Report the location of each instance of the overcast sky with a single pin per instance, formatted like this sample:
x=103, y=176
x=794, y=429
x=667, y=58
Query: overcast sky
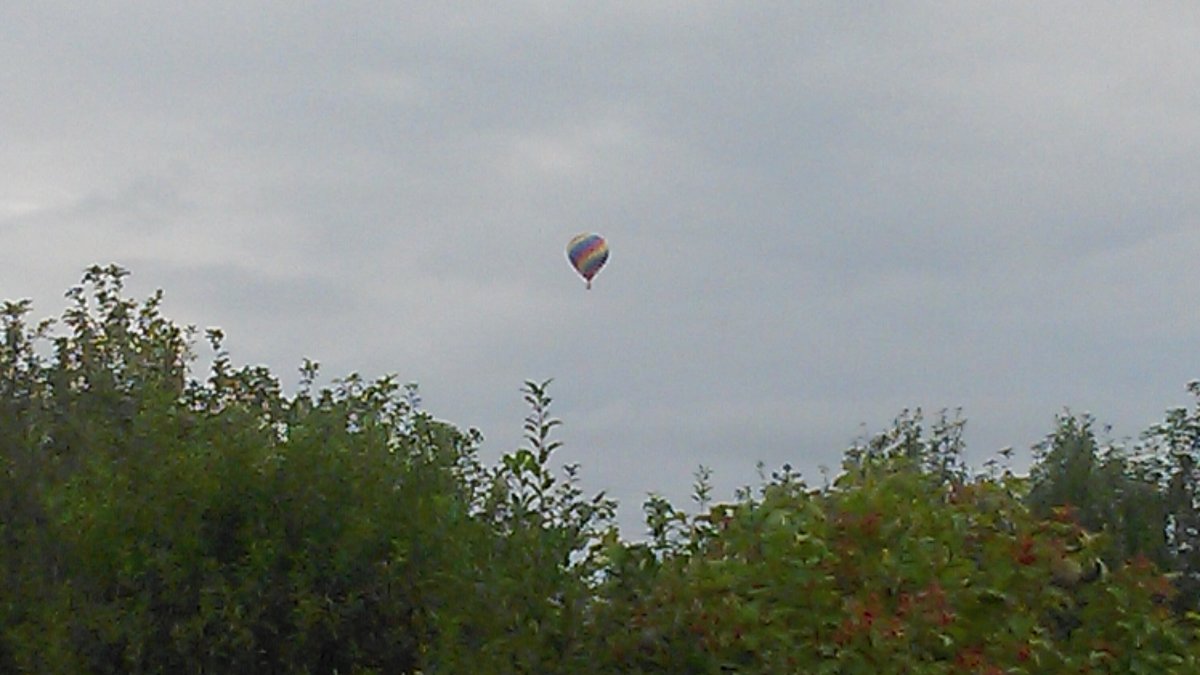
x=819, y=213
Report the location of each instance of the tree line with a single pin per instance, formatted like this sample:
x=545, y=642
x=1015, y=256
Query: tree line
x=154, y=521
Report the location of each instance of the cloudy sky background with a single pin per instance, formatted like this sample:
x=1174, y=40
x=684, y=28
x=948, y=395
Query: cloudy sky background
x=820, y=213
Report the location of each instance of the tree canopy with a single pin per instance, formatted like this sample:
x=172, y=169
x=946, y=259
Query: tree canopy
x=154, y=521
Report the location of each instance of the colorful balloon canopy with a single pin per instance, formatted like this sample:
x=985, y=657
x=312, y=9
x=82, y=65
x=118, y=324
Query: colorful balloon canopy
x=588, y=253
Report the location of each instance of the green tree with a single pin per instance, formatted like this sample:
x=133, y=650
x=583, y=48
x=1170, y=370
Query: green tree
x=1104, y=489
x=892, y=568
x=157, y=523
x=1144, y=501
x=1174, y=446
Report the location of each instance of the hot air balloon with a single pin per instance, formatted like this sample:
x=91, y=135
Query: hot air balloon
x=587, y=253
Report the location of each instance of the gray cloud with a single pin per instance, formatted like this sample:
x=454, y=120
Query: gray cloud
x=819, y=214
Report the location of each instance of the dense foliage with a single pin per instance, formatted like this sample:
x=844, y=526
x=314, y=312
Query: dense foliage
x=152, y=522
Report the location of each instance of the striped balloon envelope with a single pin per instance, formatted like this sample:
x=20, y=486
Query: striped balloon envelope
x=587, y=253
